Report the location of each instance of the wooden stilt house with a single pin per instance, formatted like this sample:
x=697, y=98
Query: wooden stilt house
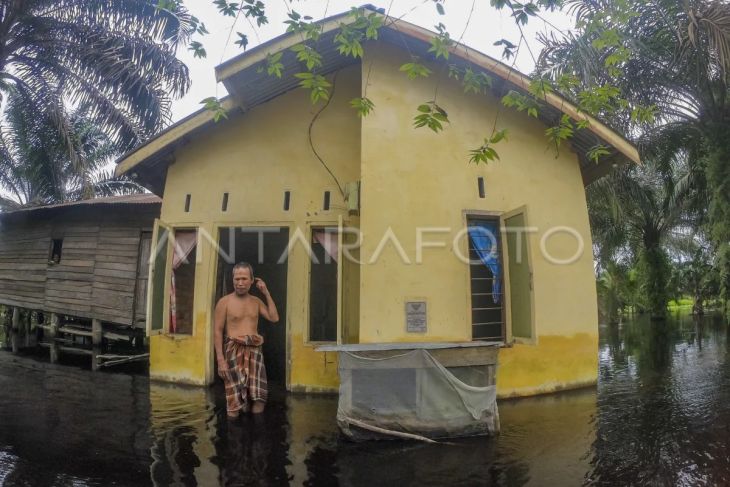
x=77, y=272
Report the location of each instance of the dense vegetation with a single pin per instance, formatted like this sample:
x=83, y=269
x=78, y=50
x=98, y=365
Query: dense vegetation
x=667, y=223
x=111, y=62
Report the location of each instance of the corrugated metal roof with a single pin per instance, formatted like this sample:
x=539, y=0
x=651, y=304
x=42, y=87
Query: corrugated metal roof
x=127, y=199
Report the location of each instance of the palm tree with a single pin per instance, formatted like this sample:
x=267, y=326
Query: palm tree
x=637, y=212
x=35, y=168
x=116, y=57
x=671, y=55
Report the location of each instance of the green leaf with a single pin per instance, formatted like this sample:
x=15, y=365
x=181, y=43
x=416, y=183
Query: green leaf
x=225, y=8
x=415, y=69
x=431, y=116
x=644, y=115
x=476, y=82
x=596, y=152
x=521, y=103
x=498, y=136
x=363, y=106
x=561, y=132
x=306, y=54
x=274, y=66
x=197, y=49
x=242, y=40
x=540, y=87
x=316, y=83
x=509, y=48
x=256, y=10
x=214, y=105
x=348, y=41
x=440, y=45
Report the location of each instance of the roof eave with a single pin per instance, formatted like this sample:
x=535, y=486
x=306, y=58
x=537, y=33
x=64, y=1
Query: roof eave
x=171, y=138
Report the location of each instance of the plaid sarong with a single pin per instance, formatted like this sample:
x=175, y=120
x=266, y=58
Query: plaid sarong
x=246, y=376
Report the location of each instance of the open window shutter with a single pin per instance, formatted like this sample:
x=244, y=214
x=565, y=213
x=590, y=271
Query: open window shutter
x=340, y=308
x=158, y=286
x=520, y=274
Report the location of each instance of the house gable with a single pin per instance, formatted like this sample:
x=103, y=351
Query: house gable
x=250, y=86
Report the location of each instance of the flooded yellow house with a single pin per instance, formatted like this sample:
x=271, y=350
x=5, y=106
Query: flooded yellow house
x=369, y=231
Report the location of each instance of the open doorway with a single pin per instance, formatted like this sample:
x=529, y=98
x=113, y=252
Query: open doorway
x=262, y=248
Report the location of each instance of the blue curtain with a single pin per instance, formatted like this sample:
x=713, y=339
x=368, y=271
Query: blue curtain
x=482, y=236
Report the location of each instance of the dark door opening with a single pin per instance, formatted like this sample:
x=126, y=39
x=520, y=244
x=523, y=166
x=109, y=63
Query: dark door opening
x=262, y=248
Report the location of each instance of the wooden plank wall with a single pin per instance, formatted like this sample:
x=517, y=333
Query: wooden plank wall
x=97, y=275
x=23, y=262
x=115, y=273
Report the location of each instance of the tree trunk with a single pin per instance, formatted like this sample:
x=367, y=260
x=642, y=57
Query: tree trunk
x=656, y=276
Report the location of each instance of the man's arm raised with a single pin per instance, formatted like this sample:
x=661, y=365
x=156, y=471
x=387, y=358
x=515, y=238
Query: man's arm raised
x=267, y=310
x=219, y=325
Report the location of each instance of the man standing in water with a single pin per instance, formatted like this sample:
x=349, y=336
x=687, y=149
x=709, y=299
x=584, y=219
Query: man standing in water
x=240, y=360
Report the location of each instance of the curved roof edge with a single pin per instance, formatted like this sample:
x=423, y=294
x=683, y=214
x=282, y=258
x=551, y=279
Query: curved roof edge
x=163, y=143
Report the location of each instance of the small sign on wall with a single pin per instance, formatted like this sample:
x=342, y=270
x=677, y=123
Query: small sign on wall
x=416, y=317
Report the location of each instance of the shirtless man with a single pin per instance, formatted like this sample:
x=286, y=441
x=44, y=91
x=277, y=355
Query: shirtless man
x=240, y=361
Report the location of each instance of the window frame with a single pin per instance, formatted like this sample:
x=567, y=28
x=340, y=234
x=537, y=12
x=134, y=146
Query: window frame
x=470, y=215
x=159, y=225
x=170, y=230
x=533, y=339
x=51, y=247
x=338, y=226
x=174, y=229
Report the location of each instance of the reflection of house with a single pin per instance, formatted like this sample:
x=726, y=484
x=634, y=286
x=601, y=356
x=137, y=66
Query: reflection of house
x=80, y=262
x=252, y=186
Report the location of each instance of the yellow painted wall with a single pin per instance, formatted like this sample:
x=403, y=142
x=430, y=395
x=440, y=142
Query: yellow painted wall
x=255, y=157
x=410, y=178
x=414, y=177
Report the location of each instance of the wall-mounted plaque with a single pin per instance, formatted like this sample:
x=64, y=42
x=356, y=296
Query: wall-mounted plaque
x=416, y=316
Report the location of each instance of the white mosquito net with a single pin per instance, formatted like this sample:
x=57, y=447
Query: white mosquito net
x=413, y=393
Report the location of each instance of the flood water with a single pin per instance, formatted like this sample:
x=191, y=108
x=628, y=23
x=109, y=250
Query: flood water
x=659, y=416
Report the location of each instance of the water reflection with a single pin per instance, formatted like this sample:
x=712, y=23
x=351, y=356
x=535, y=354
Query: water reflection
x=183, y=427
x=664, y=404
x=659, y=416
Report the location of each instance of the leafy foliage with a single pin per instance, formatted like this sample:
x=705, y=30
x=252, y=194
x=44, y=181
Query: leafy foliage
x=486, y=152
x=560, y=132
x=597, y=151
x=476, y=82
x=415, y=69
x=117, y=58
x=636, y=214
x=242, y=40
x=306, y=54
x=197, y=49
x=35, y=167
x=274, y=66
x=213, y=104
x=522, y=103
x=362, y=105
x=441, y=43
x=664, y=65
x=350, y=37
x=303, y=25
x=317, y=84
x=510, y=50
x=432, y=116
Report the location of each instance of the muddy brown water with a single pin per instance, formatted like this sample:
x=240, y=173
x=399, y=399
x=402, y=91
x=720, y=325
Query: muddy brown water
x=660, y=415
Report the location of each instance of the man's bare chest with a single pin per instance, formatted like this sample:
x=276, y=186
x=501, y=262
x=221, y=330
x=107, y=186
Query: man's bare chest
x=245, y=312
